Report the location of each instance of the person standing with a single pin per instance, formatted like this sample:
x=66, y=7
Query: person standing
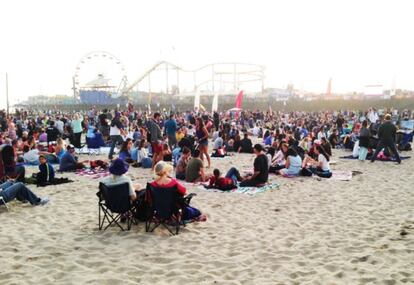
x=386, y=138
x=156, y=139
x=171, y=130
x=115, y=133
x=76, y=125
x=202, y=138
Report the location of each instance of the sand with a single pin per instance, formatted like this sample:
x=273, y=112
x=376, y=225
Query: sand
x=307, y=232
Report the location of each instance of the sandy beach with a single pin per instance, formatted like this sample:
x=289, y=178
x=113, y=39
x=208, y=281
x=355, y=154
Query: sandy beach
x=307, y=232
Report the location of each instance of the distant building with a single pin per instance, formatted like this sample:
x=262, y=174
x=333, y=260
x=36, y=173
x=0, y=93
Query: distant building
x=279, y=94
x=375, y=92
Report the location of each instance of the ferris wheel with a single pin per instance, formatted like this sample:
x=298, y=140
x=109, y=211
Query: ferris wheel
x=100, y=70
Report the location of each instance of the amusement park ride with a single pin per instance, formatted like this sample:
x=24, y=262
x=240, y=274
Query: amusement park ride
x=100, y=76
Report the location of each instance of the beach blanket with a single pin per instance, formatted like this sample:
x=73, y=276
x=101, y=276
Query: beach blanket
x=95, y=151
x=93, y=173
x=341, y=175
x=380, y=159
x=245, y=190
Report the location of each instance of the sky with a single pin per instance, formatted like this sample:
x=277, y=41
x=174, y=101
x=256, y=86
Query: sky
x=356, y=43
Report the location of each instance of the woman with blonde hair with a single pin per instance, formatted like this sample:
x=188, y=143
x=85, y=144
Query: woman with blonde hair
x=77, y=129
x=164, y=181
x=60, y=148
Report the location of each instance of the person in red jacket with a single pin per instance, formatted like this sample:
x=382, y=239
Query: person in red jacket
x=219, y=182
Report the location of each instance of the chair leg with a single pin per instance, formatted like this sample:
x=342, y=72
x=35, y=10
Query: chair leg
x=99, y=217
x=2, y=202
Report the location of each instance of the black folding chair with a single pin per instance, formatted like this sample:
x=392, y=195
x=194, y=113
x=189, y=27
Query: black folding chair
x=164, y=209
x=114, y=203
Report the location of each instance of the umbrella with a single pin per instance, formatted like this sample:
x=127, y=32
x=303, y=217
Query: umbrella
x=235, y=109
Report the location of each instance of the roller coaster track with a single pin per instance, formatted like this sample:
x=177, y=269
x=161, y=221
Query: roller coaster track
x=257, y=72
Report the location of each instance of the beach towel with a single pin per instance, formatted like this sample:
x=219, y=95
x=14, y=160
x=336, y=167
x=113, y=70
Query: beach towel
x=245, y=190
x=341, y=175
x=379, y=158
x=93, y=173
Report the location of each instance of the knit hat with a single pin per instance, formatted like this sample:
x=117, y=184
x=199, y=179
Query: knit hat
x=118, y=167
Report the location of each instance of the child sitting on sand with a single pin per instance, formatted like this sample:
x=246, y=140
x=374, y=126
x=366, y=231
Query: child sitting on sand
x=47, y=172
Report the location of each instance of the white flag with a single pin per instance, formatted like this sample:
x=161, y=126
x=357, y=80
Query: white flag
x=214, y=107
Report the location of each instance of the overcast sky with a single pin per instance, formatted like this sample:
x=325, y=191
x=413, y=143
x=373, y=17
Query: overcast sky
x=301, y=42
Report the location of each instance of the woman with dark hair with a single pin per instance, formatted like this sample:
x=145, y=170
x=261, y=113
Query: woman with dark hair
x=279, y=159
x=270, y=154
x=236, y=143
x=142, y=154
x=326, y=145
x=202, y=137
x=267, y=138
x=364, y=136
x=293, y=163
x=125, y=152
x=320, y=166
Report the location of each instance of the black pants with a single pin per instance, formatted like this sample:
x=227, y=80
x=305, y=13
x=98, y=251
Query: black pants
x=77, y=139
x=274, y=169
x=381, y=145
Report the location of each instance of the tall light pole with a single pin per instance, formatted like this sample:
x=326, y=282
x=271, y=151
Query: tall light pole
x=7, y=93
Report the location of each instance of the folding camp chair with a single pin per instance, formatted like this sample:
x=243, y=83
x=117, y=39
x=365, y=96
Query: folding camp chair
x=164, y=209
x=114, y=203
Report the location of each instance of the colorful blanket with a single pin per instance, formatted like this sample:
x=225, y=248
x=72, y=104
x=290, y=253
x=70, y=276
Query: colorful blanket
x=93, y=173
x=245, y=190
x=380, y=159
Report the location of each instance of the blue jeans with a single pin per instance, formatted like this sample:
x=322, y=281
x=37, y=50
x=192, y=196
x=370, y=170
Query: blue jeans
x=18, y=191
x=114, y=140
x=234, y=174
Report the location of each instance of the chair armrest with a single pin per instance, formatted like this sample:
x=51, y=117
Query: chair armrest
x=187, y=199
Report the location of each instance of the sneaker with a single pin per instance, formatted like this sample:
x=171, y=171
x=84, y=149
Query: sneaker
x=43, y=201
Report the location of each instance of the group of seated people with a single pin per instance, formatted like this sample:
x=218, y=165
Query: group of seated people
x=292, y=159
x=162, y=181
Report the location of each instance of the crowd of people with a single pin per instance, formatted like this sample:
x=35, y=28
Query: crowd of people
x=284, y=143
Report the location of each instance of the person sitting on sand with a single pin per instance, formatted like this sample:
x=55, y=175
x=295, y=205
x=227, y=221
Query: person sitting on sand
x=293, y=164
x=261, y=170
x=167, y=153
x=11, y=190
x=195, y=169
x=118, y=170
x=60, y=148
x=31, y=156
x=125, y=152
x=69, y=161
x=182, y=164
x=320, y=166
x=47, y=172
x=326, y=145
x=143, y=158
x=279, y=159
x=246, y=145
